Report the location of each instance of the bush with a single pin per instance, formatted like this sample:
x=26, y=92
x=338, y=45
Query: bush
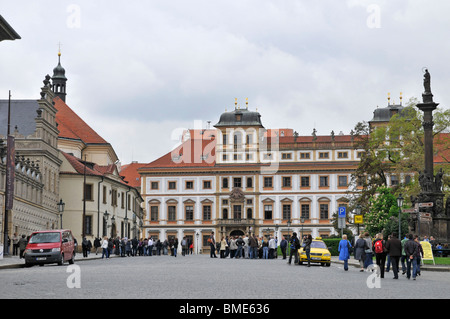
x=332, y=244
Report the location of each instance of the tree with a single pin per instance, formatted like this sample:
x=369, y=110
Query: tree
x=397, y=150
x=383, y=210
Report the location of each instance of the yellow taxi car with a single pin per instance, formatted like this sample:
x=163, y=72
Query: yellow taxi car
x=319, y=253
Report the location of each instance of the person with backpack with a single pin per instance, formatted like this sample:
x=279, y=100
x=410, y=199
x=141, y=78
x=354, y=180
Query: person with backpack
x=379, y=247
x=294, y=246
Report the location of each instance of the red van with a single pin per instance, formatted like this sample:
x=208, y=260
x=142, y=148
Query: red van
x=50, y=246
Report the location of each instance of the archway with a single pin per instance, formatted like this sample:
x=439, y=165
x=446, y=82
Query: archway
x=237, y=232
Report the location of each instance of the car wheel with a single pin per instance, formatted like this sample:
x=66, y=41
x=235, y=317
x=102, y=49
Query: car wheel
x=61, y=260
x=72, y=260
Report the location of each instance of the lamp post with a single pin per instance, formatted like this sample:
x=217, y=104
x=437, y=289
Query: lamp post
x=105, y=223
x=400, y=205
x=196, y=246
x=358, y=212
x=113, y=222
x=125, y=221
x=289, y=234
x=302, y=220
x=61, y=205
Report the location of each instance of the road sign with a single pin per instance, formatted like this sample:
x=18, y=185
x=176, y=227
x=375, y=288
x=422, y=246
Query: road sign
x=409, y=210
x=359, y=219
x=430, y=204
x=342, y=211
x=341, y=223
x=425, y=217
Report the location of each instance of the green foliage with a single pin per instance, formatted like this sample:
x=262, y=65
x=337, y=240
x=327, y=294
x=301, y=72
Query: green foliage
x=332, y=244
x=381, y=208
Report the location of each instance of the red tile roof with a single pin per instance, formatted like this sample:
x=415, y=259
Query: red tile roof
x=130, y=174
x=71, y=126
x=190, y=154
x=92, y=169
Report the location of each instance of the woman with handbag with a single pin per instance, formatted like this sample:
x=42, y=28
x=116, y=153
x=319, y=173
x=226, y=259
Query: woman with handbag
x=360, y=250
x=344, y=250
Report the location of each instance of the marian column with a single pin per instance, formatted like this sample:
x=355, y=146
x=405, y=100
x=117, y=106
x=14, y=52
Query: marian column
x=431, y=197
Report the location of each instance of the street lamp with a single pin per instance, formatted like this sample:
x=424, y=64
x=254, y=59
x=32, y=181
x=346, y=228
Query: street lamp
x=61, y=205
x=196, y=246
x=302, y=220
x=125, y=221
x=289, y=234
x=400, y=205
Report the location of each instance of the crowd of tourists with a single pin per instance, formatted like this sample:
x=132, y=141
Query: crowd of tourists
x=126, y=247
x=248, y=246
x=400, y=255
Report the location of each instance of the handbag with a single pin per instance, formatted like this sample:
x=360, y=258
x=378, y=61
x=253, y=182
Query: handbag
x=350, y=248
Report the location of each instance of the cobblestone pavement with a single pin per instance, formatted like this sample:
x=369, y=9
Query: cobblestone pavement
x=200, y=277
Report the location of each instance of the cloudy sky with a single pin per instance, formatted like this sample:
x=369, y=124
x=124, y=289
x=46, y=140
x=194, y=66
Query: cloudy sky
x=139, y=71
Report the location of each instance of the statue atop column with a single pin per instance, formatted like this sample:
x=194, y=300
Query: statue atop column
x=427, y=95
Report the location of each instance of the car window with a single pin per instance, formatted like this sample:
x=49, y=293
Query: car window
x=318, y=244
x=40, y=238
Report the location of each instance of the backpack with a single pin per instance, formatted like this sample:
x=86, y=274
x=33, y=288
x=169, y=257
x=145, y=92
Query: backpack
x=379, y=247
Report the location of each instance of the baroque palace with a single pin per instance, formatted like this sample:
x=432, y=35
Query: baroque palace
x=240, y=178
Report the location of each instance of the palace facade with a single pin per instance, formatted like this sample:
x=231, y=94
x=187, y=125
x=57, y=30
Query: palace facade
x=240, y=177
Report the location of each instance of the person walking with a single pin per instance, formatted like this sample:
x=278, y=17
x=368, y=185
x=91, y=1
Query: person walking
x=307, y=248
x=403, y=258
x=246, y=247
x=344, y=251
x=183, y=246
x=15, y=241
x=379, y=247
x=253, y=246
x=265, y=247
x=411, y=250
x=240, y=244
x=368, y=252
x=394, y=250
x=97, y=245
x=104, y=246
x=294, y=245
x=233, y=247
x=223, y=247
x=22, y=246
x=175, y=247
x=85, y=247
x=283, y=246
x=272, y=247
x=212, y=246
x=419, y=255
x=360, y=251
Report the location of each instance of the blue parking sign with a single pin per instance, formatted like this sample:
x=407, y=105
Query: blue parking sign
x=342, y=212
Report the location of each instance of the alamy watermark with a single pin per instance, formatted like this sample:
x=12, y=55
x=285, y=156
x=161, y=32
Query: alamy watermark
x=231, y=145
x=74, y=18
x=74, y=279
x=374, y=279
x=374, y=19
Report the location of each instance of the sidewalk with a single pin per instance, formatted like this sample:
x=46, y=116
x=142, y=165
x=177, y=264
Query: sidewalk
x=354, y=263
x=15, y=262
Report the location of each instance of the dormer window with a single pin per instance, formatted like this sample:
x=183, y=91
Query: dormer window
x=238, y=117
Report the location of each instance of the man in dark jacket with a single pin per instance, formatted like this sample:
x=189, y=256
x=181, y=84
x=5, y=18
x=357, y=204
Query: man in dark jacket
x=394, y=249
x=294, y=246
x=411, y=250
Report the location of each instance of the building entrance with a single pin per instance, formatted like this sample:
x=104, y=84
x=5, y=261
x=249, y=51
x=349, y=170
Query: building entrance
x=237, y=232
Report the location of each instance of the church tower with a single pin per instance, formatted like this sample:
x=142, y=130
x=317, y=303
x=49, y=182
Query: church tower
x=59, y=80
